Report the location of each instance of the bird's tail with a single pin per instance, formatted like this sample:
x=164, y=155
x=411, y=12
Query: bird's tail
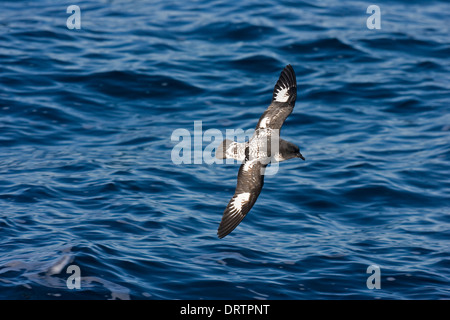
x=221, y=151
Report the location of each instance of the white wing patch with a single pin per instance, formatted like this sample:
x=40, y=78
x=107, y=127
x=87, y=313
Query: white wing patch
x=282, y=95
x=240, y=200
x=264, y=122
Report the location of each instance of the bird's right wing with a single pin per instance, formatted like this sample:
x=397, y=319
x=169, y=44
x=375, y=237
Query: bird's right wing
x=283, y=101
x=249, y=184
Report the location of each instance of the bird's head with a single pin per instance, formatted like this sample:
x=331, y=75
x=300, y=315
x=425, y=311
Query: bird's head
x=290, y=150
x=297, y=153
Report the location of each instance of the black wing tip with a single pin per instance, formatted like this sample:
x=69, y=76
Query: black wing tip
x=288, y=75
x=222, y=234
x=229, y=222
x=227, y=225
x=289, y=68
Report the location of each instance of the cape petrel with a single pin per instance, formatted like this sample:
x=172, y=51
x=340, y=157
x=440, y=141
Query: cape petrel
x=258, y=152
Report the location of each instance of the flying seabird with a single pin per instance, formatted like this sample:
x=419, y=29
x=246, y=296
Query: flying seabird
x=257, y=153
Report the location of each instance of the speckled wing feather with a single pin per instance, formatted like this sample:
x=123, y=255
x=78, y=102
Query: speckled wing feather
x=249, y=184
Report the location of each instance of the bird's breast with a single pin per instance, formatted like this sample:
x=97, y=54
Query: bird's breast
x=263, y=144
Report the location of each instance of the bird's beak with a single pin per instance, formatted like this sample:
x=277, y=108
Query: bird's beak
x=299, y=155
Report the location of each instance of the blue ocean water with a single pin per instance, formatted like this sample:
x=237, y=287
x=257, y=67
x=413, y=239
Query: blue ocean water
x=87, y=178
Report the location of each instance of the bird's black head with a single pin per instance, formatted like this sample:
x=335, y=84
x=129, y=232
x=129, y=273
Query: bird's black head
x=297, y=153
x=290, y=151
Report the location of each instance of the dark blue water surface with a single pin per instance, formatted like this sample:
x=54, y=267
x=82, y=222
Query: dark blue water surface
x=87, y=178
